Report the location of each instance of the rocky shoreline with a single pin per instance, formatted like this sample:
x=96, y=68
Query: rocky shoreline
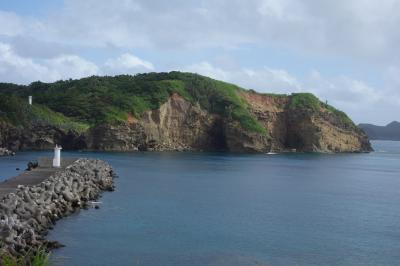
x=6, y=152
x=28, y=214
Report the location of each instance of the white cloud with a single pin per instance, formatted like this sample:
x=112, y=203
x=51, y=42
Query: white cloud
x=282, y=10
x=362, y=102
x=20, y=69
x=264, y=79
x=367, y=30
x=10, y=24
x=70, y=66
x=127, y=64
x=207, y=69
x=341, y=89
x=392, y=84
x=14, y=68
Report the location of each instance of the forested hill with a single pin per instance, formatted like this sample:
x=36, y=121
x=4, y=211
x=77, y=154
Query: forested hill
x=389, y=132
x=95, y=100
x=219, y=110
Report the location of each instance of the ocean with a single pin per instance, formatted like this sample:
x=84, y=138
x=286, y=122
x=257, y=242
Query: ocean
x=236, y=209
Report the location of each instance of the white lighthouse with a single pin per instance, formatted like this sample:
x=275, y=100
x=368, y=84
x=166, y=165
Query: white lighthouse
x=30, y=100
x=57, y=156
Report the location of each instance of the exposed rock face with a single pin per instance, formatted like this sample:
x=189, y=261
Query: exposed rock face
x=239, y=140
x=176, y=125
x=271, y=113
x=26, y=216
x=322, y=132
x=181, y=125
x=121, y=137
x=305, y=130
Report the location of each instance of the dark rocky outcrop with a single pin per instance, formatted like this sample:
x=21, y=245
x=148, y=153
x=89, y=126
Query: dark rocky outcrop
x=38, y=137
x=27, y=215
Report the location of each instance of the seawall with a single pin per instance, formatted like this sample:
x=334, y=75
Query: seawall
x=32, y=202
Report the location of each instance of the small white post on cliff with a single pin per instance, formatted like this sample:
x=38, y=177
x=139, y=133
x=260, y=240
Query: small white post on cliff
x=57, y=156
x=30, y=100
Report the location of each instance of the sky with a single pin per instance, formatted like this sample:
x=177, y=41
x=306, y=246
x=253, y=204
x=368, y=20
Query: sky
x=343, y=51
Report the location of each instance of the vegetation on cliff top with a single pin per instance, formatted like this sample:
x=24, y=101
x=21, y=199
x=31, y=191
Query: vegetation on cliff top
x=95, y=100
x=304, y=101
x=78, y=104
x=310, y=102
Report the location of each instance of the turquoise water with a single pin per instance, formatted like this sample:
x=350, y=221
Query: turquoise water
x=224, y=209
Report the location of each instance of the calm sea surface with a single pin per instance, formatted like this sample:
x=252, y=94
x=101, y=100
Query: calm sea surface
x=224, y=209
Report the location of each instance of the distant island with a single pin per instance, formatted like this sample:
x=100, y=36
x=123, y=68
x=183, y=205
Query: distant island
x=170, y=111
x=389, y=132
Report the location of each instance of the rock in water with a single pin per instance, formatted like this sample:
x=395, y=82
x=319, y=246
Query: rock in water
x=6, y=152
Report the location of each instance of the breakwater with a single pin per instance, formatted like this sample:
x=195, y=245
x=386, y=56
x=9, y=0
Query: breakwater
x=31, y=203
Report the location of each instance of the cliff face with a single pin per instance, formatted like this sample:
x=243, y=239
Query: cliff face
x=170, y=111
x=322, y=132
x=176, y=125
x=305, y=130
x=180, y=125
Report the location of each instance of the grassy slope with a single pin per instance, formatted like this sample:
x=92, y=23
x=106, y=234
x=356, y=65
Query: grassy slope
x=311, y=102
x=79, y=104
x=16, y=111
